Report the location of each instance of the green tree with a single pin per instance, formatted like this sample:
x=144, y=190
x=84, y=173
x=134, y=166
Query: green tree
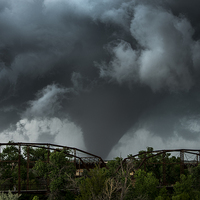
x=35, y=154
x=56, y=173
x=145, y=184
x=9, y=167
x=184, y=189
x=92, y=186
x=112, y=166
x=196, y=177
x=153, y=162
x=163, y=194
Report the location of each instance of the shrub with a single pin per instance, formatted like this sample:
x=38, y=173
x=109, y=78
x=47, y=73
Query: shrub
x=9, y=196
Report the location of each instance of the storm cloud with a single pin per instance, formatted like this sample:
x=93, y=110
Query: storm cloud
x=100, y=75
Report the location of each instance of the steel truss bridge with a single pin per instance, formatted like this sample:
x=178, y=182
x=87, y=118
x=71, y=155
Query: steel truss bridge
x=85, y=160
x=187, y=158
x=81, y=159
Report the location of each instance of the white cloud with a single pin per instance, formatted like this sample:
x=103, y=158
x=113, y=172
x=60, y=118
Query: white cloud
x=47, y=102
x=52, y=130
x=39, y=122
x=124, y=66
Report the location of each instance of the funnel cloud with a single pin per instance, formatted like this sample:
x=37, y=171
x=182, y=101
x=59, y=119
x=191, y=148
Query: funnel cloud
x=110, y=77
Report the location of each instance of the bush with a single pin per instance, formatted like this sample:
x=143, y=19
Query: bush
x=9, y=196
x=146, y=184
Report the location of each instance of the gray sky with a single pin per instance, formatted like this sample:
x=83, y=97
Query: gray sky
x=110, y=77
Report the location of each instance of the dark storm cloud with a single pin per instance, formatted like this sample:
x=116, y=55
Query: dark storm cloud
x=102, y=65
x=3, y=5
x=166, y=56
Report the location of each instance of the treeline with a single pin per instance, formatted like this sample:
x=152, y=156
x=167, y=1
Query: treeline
x=124, y=181
x=55, y=171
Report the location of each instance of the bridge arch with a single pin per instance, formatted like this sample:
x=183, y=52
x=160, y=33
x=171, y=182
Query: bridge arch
x=144, y=159
x=81, y=159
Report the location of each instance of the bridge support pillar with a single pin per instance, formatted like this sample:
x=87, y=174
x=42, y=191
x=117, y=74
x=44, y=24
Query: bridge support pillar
x=19, y=171
x=164, y=169
x=182, y=162
x=145, y=155
x=27, y=184
x=48, y=180
x=75, y=157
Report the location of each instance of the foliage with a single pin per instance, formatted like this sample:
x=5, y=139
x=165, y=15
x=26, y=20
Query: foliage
x=154, y=164
x=7, y=169
x=70, y=195
x=35, y=153
x=196, y=177
x=146, y=184
x=56, y=173
x=182, y=196
x=113, y=165
x=35, y=198
x=184, y=190
x=163, y=194
x=116, y=182
x=107, y=183
x=9, y=196
x=92, y=186
x=184, y=185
